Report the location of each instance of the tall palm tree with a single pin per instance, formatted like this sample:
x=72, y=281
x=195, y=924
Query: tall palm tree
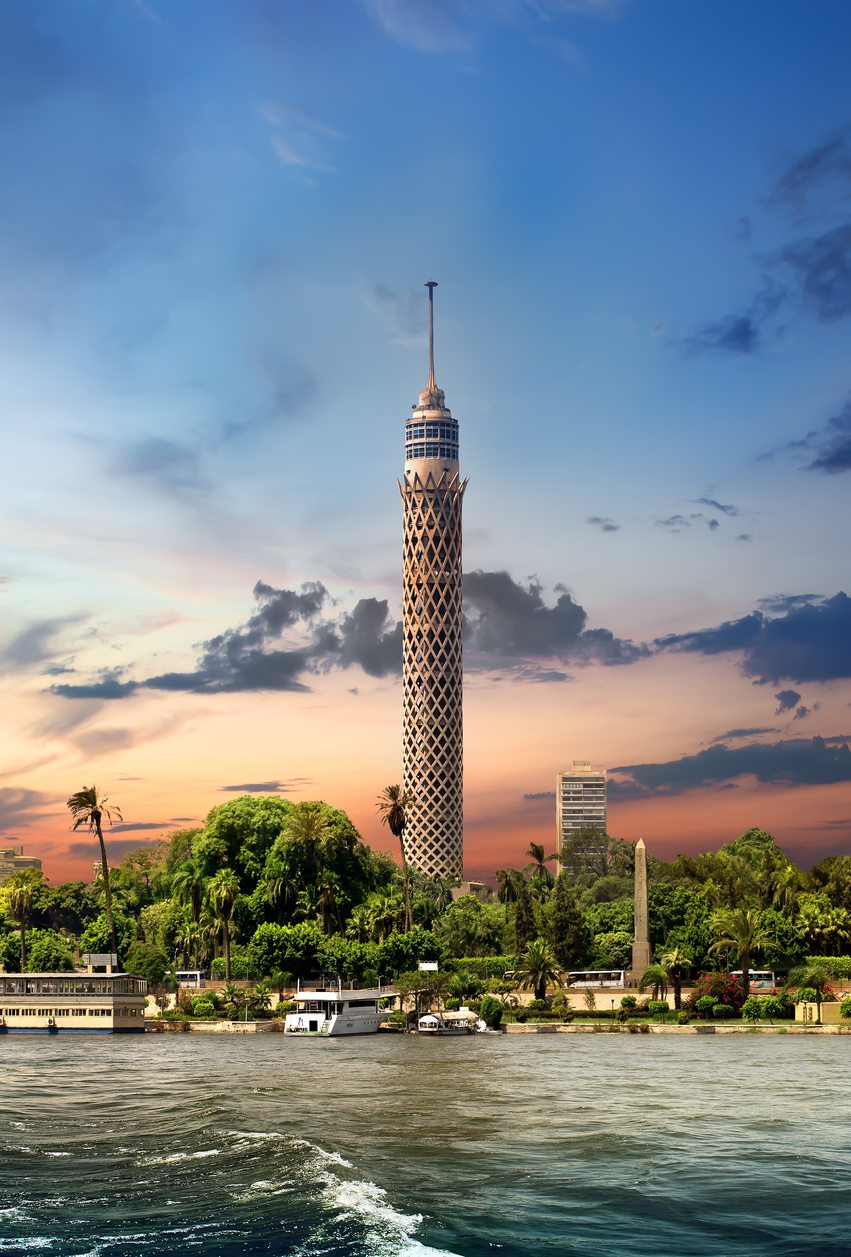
x=539, y=864
x=308, y=825
x=188, y=886
x=279, y=979
x=539, y=967
x=359, y=924
x=188, y=939
x=394, y=803
x=328, y=887
x=20, y=888
x=786, y=883
x=223, y=890
x=814, y=975
x=675, y=962
x=281, y=888
x=739, y=930
x=655, y=976
x=89, y=807
x=386, y=911
x=508, y=885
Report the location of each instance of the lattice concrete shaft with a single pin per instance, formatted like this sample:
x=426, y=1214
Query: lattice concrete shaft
x=432, y=670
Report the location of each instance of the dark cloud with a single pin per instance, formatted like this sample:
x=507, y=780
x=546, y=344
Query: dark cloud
x=20, y=807
x=729, y=509
x=116, y=849
x=126, y=827
x=803, y=712
x=834, y=452
x=742, y=733
x=263, y=787
x=503, y=617
x=828, y=165
x=33, y=644
x=787, y=700
x=731, y=785
x=743, y=536
x=605, y=525
x=109, y=686
x=366, y=638
x=807, y=643
x=543, y=796
x=795, y=762
x=676, y=523
x=787, y=602
x=811, y=273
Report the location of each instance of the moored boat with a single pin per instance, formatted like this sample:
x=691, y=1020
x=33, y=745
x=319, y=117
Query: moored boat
x=439, y=1025
x=336, y=1012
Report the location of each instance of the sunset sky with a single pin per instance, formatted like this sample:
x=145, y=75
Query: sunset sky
x=216, y=220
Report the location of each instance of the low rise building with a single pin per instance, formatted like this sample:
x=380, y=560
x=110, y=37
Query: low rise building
x=72, y=1003
x=12, y=860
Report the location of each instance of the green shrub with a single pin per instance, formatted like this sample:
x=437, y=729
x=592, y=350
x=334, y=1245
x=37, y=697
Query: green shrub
x=723, y=1010
x=838, y=966
x=481, y=966
x=845, y=1008
x=490, y=1012
x=520, y=1015
x=658, y=1007
x=753, y=1009
x=777, y=1006
x=805, y=995
x=683, y=1018
x=537, y=1005
x=202, y=1007
x=644, y=1028
x=705, y=1005
x=628, y=1001
x=451, y=1005
x=283, y=1007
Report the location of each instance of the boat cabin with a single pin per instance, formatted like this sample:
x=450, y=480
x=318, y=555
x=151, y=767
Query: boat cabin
x=335, y=1012
x=72, y=1003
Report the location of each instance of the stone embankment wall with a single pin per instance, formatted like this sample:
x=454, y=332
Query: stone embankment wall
x=602, y=1028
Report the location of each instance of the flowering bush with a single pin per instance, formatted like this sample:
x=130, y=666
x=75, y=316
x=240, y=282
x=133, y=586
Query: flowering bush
x=723, y=986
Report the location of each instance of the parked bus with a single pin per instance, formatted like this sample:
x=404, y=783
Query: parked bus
x=760, y=979
x=597, y=977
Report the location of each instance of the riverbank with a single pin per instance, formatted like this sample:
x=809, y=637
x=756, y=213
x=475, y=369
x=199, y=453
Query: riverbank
x=645, y=1028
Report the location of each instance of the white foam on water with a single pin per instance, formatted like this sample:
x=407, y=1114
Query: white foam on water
x=57, y=1154
x=173, y=1157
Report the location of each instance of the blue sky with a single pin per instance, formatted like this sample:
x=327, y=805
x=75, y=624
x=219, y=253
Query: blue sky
x=215, y=224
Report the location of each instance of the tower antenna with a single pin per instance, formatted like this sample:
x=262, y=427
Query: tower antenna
x=431, y=284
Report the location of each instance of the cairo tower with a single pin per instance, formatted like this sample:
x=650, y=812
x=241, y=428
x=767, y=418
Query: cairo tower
x=432, y=492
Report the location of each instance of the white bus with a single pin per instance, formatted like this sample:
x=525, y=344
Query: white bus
x=597, y=977
x=759, y=979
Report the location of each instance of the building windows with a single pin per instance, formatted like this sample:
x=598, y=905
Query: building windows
x=442, y=431
x=431, y=451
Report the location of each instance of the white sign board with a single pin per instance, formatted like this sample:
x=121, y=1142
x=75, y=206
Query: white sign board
x=427, y=966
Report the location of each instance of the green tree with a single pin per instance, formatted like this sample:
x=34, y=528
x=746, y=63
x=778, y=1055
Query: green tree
x=89, y=807
x=223, y=890
x=20, y=889
x=540, y=873
x=740, y=930
x=98, y=935
x=539, y=968
x=148, y=961
x=525, y=926
x=48, y=952
x=188, y=886
x=395, y=804
x=676, y=962
x=814, y=975
x=655, y=976
x=566, y=926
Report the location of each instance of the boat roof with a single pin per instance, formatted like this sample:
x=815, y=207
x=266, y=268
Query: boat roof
x=70, y=973
x=337, y=994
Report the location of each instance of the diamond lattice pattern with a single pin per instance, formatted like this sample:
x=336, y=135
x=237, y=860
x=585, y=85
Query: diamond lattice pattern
x=432, y=672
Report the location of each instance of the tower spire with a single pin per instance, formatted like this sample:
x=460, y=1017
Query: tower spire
x=431, y=397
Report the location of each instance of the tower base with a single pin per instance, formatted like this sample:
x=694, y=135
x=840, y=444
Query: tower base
x=642, y=958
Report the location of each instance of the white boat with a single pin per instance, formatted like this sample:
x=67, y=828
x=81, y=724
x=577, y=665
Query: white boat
x=336, y=1012
x=465, y=1021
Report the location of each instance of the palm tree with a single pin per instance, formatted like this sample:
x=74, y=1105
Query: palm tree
x=442, y=888
x=89, y=808
x=508, y=885
x=279, y=978
x=232, y=996
x=385, y=912
x=739, y=930
x=394, y=804
x=188, y=938
x=260, y=998
x=816, y=976
x=188, y=887
x=787, y=883
x=657, y=977
x=20, y=888
x=539, y=968
x=328, y=887
x=539, y=863
x=223, y=891
x=308, y=825
x=675, y=962
x=281, y=888
x=359, y=924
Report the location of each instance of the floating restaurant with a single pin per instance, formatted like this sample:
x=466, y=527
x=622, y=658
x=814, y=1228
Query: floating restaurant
x=72, y=1003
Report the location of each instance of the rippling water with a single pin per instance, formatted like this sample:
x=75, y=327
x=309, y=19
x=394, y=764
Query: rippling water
x=387, y=1145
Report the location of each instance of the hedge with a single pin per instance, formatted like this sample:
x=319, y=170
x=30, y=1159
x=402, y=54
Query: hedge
x=839, y=966
x=481, y=966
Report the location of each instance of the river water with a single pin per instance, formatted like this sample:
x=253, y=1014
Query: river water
x=580, y=1144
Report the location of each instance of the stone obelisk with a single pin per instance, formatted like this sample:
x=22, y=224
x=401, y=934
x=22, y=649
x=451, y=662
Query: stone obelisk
x=432, y=493
x=641, y=956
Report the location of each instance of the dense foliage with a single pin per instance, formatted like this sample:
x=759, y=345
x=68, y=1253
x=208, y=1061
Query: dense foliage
x=269, y=886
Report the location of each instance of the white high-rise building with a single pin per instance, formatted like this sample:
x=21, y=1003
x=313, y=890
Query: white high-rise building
x=580, y=799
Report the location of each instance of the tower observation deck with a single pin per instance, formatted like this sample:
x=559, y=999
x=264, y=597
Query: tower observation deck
x=432, y=494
